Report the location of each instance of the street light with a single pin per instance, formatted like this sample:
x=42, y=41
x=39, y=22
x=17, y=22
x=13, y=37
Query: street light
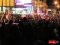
x=58, y=6
x=55, y=2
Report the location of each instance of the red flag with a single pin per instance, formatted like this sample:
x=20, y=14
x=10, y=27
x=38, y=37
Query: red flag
x=46, y=17
x=39, y=17
x=35, y=11
x=7, y=14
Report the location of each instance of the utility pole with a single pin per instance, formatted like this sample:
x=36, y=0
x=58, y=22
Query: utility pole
x=2, y=6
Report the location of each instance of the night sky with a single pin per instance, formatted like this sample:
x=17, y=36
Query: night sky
x=49, y=2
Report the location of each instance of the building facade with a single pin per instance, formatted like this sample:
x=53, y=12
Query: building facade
x=4, y=4
x=11, y=4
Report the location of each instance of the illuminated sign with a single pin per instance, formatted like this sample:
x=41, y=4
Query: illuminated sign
x=22, y=2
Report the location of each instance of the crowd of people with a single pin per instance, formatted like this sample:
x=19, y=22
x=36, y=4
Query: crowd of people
x=29, y=30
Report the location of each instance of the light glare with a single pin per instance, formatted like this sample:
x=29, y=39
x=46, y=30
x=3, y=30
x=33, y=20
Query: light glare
x=27, y=1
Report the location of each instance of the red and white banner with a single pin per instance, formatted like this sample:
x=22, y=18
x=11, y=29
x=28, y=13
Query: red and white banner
x=7, y=14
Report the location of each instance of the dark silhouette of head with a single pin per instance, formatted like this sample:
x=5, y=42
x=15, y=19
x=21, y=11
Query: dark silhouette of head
x=24, y=19
x=3, y=24
x=10, y=22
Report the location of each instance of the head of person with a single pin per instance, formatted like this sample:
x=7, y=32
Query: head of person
x=10, y=22
x=24, y=19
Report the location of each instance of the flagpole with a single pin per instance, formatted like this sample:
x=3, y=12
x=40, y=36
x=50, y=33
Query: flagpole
x=2, y=6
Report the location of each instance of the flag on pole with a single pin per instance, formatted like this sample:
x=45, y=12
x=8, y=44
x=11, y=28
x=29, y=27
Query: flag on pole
x=7, y=14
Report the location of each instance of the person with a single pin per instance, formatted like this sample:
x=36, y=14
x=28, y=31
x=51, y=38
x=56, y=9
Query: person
x=2, y=35
x=26, y=30
x=15, y=37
